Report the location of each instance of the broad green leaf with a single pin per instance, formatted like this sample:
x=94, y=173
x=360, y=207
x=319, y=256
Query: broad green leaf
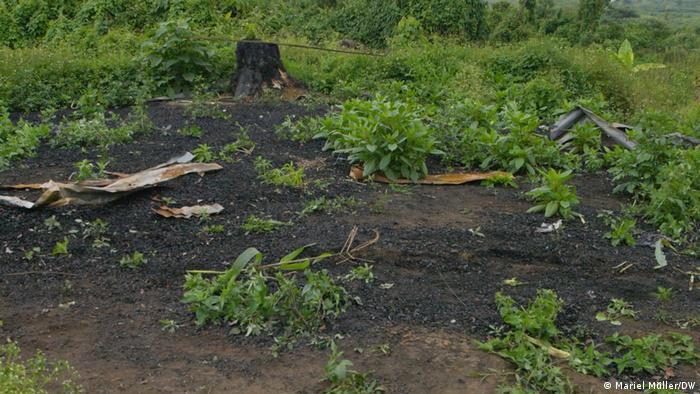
x=552, y=208
x=293, y=255
x=625, y=54
x=245, y=258
x=384, y=163
x=298, y=266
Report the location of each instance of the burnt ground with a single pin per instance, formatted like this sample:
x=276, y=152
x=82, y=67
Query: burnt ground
x=104, y=319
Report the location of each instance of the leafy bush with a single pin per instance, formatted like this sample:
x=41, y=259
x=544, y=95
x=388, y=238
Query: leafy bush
x=34, y=375
x=652, y=353
x=368, y=21
x=383, y=135
x=345, y=381
x=465, y=17
x=554, y=196
x=253, y=302
x=287, y=175
x=19, y=141
x=175, y=57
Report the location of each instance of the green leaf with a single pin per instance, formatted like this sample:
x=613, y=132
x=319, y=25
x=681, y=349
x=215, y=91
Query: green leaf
x=384, y=163
x=293, y=255
x=299, y=266
x=625, y=54
x=245, y=258
x=552, y=208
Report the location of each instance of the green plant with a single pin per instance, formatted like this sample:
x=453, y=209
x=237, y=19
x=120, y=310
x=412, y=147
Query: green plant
x=344, y=381
x=89, y=170
x=205, y=105
x=328, y=205
x=17, y=142
x=60, y=248
x=133, y=261
x=96, y=229
x=302, y=130
x=663, y=294
x=214, y=229
x=384, y=136
x=500, y=179
x=203, y=154
x=554, y=196
x=621, y=230
x=36, y=374
x=243, y=144
x=287, y=175
x=175, y=57
x=256, y=225
x=191, y=130
x=253, y=302
x=169, y=325
x=51, y=223
x=361, y=272
x=617, y=309
x=652, y=353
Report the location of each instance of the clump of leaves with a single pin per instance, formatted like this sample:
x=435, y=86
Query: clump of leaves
x=302, y=130
x=93, y=131
x=203, y=154
x=175, y=57
x=256, y=225
x=243, y=144
x=191, y=130
x=616, y=310
x=663, y=294
x=621, y=230
x=382, y=135
x=18, y=141
x=51, y=223
x=343, y=380
x=204, y=104
x=586, y=144
x=328, y=205
x=500, y=180
x=652, y=353
x=36, y=374
x=554, y=196
x=88, y=170
x=287, y=175
x=133, y=261
x=535, y=370
x=214, y=229
x=361, y=272
x=96, y=229
x=253, y=302
x=60, y=248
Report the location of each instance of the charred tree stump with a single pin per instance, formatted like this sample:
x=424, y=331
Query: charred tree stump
x=260, y=66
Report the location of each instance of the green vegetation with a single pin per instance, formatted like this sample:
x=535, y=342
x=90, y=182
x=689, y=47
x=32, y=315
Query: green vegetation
x=35, y=374
x=343, y=381
x=329, y=205
x=191, y=130
x=256, y=225
x=203, y=153
x=382, y=135
x=621, y=230
x=533, y=341
x=287, y=175
x=361, y=272
x=617, y=309
x=60, y=248
x=133, y=261
x=554, y=196
x=255, y=302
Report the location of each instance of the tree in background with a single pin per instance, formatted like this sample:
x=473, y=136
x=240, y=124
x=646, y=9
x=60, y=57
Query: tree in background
x=589, y=13
x=528, y=7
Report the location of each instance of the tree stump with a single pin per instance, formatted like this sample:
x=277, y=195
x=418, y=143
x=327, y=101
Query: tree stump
x=260, y=66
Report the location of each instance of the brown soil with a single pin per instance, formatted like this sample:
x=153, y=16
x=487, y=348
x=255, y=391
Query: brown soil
x=444, y=275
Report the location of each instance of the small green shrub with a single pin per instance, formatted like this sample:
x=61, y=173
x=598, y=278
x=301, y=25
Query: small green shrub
x=287, y=175
x=345, y=381
x=361, y=272
x=175, y=57
x=60, y=248
x=652, y=353
x=191, y=130
x=370, y=22
x=621, y=230
x=17, y=142
x=203, y=154
x=256, y=225
x=554, y=196
x=133, y=261
x=616, y=310
x=253, y=302
x=36, y=374
x=383, y=135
